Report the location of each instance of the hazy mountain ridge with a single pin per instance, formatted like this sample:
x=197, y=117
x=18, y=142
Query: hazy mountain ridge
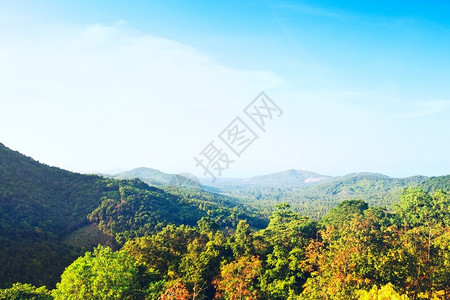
x=289, y=178
x=148, y=175
x=317, y=198
x=311, y=193
x=155, y=177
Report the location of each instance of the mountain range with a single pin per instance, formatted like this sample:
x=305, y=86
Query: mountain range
x=308, y=192
x=50, y=216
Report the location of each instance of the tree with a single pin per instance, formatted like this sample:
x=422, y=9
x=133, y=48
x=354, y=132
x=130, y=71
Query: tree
x=207, y=226
x=344, y=211
x=178, y=291
x=238, y=279
x=199, y=266
x=287, y=234
x=386, y=292
x=164, y=250
x=101, y=274
x=425, y=220
x=346, y=258
x=21, y=291
x=242, y=242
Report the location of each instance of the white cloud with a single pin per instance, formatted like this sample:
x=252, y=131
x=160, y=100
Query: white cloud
x=111, y=97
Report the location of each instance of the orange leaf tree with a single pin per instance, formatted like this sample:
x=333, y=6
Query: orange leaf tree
x=238, y=279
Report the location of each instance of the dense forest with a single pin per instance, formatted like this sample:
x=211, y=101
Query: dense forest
x=49, y=216
x=73, y=236
x=308, y=193
x=316, y=198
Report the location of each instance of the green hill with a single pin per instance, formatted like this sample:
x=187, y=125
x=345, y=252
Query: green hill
x=49, y=216
x=158, y=178
x=319, y=196
x=147, y=175
x=39, y=206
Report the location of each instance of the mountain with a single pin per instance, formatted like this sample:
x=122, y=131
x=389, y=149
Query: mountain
x=148, y=175
x=50, y=216
x=157, y=177
x=313, y=194
x=308, y=192
x=39, y=206
x=289, y=178
x=375, y=189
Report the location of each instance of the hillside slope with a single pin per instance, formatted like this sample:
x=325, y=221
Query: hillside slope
x=39, y=206
x=317, y=197
x=49, y=216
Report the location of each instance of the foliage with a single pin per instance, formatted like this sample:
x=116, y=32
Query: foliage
x=21, y=291
x=178, y=291
x=185, y=243
x=238, y=279
x=286, y=236
x=101, y=274
x=317, y=197
x=43, y=215
x=344, y=211
x=386, y=292
x=409, y=250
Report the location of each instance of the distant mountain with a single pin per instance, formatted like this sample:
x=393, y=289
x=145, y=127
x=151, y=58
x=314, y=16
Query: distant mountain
x=308, y=192
x=313, y=194
x=49, y=216
x=375, y=189
x=157, y=177
x=290, y=178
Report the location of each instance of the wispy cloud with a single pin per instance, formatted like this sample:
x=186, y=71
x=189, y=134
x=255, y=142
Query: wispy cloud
x=425, y=108
x=98, y=84
x=310, y=10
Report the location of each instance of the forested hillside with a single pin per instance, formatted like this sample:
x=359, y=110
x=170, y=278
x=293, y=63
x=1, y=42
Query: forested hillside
x=171, y=242
x=318, y=197
x=39, y=206
x=49, y=216
x=307, y=192
x=354, y=252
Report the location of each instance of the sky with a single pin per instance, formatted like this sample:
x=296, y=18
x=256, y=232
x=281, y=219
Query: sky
x=102, y=86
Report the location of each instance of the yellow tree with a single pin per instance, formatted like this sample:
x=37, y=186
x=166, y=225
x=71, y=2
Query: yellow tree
x=238, y=279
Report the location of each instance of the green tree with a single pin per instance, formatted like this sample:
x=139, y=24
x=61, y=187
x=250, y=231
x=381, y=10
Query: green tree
x=385, y=292
x=200, y=265
x=21, y=291
x=287, y=235
x=163, y=251
x=241, y=243
x=207, y=226
x=425, y=220
x=101, y=274
x=344, y=211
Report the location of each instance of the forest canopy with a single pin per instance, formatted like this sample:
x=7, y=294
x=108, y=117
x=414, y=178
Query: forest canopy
x=354, y=252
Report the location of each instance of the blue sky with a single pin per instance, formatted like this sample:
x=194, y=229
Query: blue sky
x=96, y=86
